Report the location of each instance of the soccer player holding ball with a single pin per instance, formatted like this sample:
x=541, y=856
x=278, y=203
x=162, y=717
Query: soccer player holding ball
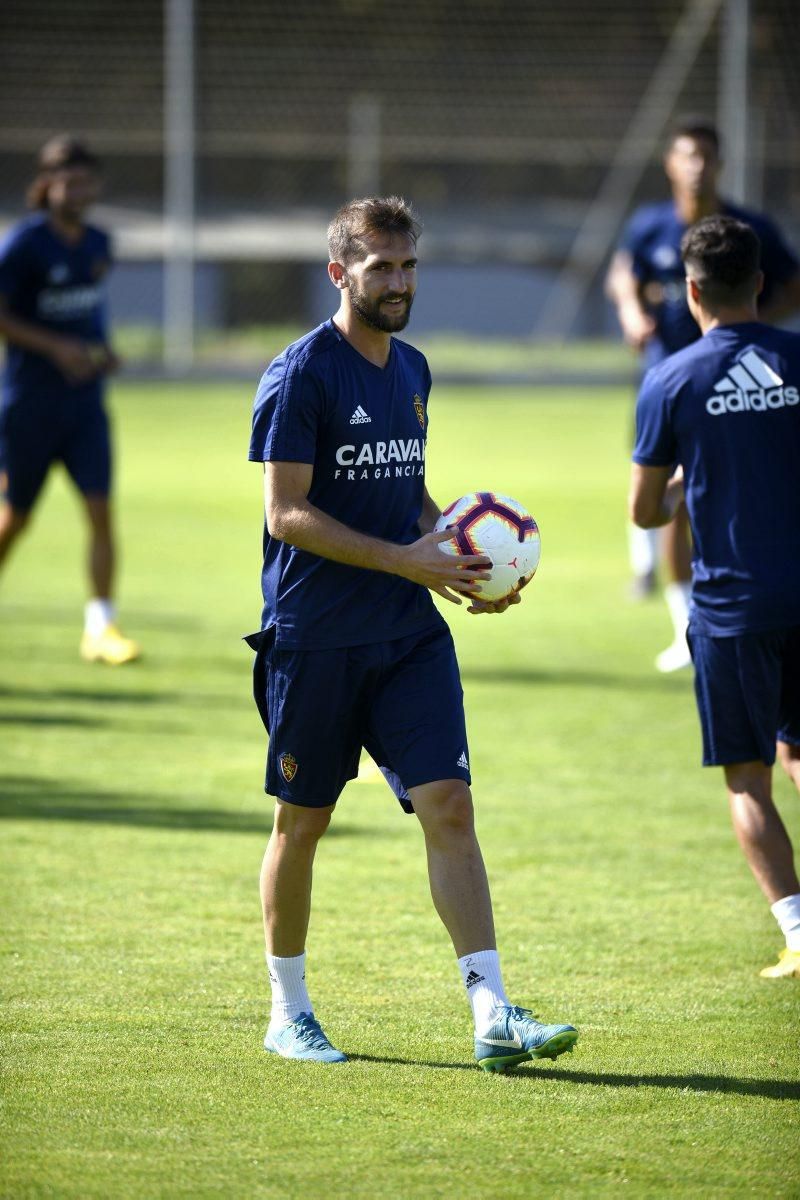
x=352, y=652
x=727, y=409
x=52, y=316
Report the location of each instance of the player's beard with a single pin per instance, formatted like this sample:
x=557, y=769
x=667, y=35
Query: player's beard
x=371, y=314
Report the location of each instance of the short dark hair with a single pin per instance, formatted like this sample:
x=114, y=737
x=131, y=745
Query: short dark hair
x=723, y=257
x=58, y=153
x=365, y=217
x=694, y=127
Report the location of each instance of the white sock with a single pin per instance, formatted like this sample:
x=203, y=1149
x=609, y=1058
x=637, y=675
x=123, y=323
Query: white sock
x=484, y=983
x=287, y=977
x=642, y=549
x=98, y=614
x=677, y=597
x=787, y=913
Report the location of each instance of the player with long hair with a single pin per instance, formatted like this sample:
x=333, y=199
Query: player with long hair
x=53, y=266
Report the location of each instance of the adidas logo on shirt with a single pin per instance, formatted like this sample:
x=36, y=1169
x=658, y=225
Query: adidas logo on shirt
x=462, y=761
x=750, y=386
x=359, y=417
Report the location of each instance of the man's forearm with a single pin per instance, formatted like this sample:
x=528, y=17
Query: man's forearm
x=308, y=528
x=670, y=501
x=26, y=334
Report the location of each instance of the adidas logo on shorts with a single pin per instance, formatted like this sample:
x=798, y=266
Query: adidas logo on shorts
x=462, y=761
x=359, y=417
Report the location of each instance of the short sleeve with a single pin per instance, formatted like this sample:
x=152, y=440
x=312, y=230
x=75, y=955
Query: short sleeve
x=13, y=265
x=655, y=439
x=286, y=413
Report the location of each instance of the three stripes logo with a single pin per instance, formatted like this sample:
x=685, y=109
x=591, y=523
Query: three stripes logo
x=751, y=385
x=462, y=761
x=360, y=417
x=473, y=978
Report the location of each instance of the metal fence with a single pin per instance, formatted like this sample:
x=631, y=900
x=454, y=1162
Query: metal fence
x=523, y=133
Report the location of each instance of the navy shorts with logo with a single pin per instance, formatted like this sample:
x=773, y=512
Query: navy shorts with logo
x=36, y=432
x=400, y=700
x=748, y=694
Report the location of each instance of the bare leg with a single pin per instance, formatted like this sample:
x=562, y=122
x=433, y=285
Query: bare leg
x=760, y=830
x=101, y=546
x=12, y=523
x=789, y=758
x=286, y=876
x=459, y=886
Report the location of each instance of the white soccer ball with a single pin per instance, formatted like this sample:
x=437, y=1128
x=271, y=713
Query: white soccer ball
x=499, y=528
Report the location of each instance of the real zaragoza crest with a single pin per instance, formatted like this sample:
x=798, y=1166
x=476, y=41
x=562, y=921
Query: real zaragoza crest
x=288, y=766
x=419, y=409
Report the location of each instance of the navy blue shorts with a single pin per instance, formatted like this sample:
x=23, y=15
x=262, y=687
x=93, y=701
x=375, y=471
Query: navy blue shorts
x=400, y=700
x=748, y=694
x=36, y=432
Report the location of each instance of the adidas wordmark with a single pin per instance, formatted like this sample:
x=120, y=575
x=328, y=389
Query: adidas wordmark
x=750, y=386
x=360, y=417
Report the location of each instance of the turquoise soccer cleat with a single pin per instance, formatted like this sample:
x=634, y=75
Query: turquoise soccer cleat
x=302, y=1039
x=516, y=1037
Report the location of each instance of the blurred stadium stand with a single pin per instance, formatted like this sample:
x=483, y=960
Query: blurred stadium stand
x=499, y=120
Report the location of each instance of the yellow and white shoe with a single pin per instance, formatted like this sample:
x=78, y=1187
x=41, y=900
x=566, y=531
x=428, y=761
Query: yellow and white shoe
x=788, y=965
x=110, y=647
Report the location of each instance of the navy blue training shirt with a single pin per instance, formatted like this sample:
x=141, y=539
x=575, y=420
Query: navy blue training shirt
x=728, y=409
x=58, y=285
x=363, y=428
x=652, y=237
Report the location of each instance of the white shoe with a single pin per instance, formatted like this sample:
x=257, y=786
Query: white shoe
x=674, y=658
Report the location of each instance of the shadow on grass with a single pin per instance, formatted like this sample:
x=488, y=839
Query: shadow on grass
x=771, y=1089
x=27, y=798
x=75, y=696
x=54, y=614
x=30, y=718
x=579, y=677
x=87, y=696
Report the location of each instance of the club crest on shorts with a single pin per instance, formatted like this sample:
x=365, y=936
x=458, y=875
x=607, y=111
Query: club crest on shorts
x=419, y=409
x=288, y=764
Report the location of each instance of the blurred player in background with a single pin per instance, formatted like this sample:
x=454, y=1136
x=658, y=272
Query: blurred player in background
x=727, y=409
x=352, y=651
x=646, y=283
x=52, y=316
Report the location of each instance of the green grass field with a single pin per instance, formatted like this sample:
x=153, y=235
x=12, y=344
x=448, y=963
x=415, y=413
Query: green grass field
x=134, y=823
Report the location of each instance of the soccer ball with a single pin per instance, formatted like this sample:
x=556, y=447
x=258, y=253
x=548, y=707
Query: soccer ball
x=502, y=530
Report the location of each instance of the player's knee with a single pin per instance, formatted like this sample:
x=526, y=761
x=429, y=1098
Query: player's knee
x=751, y=779
x=301, y=826
x=447, y=809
